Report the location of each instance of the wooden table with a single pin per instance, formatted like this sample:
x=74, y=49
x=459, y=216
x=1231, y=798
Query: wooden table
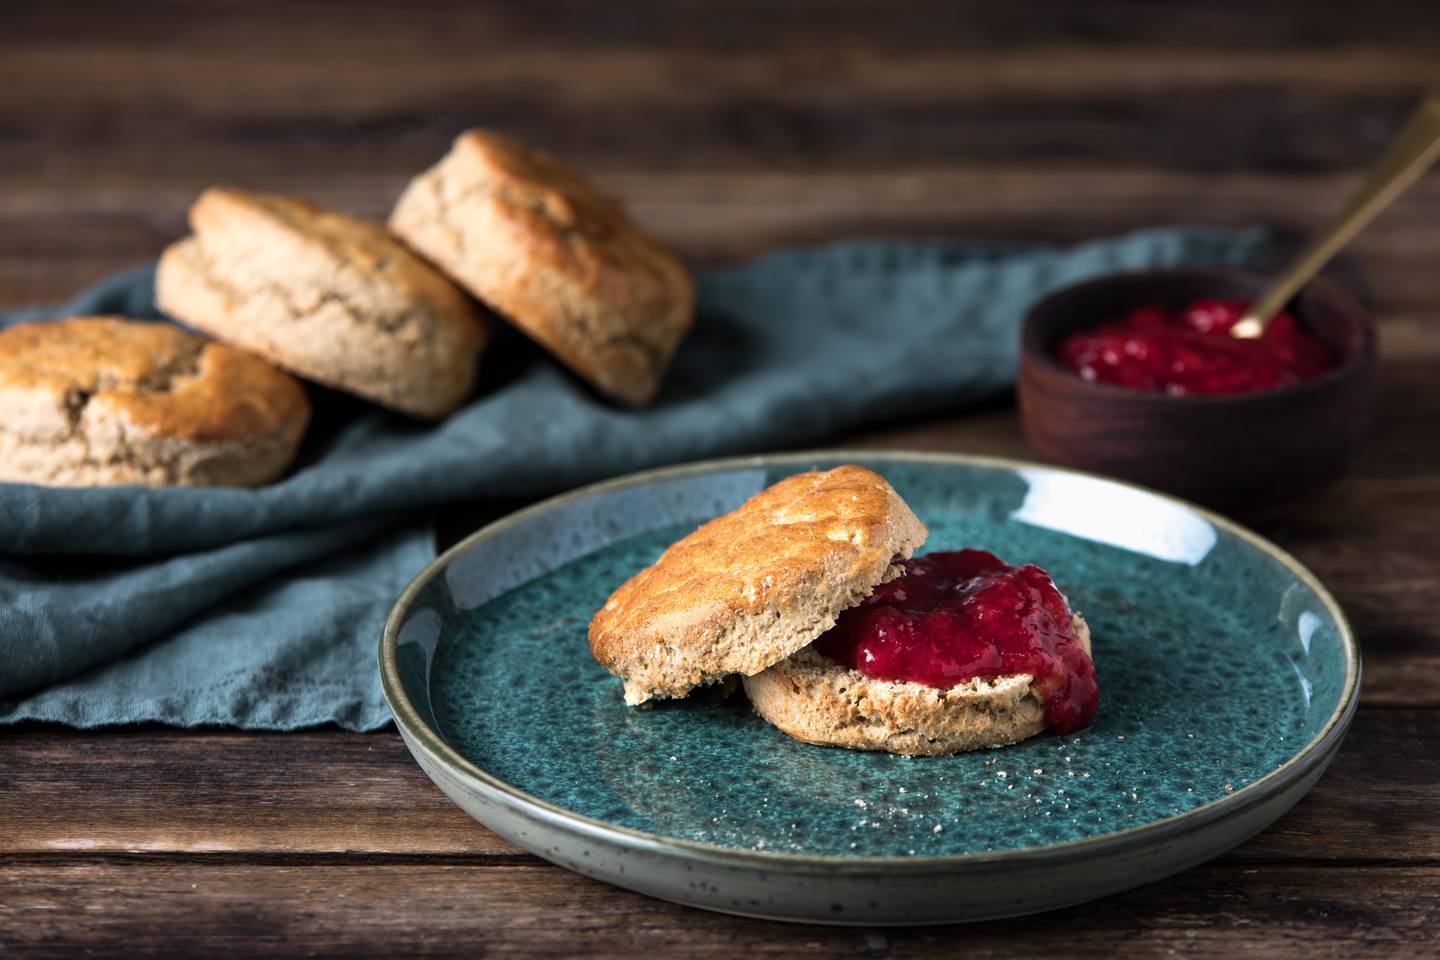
x=730, y=129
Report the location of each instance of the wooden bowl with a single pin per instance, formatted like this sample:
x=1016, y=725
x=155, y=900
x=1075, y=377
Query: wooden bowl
x=1244, y=451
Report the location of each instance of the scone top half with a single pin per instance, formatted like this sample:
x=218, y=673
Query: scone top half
x=748, y=589
x=539, y=244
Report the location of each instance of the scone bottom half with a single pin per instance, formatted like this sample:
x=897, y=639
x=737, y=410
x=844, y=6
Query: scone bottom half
x=818, y=700
x=749, y=588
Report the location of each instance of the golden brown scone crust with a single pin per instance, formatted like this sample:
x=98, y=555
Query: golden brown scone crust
x=335, y=299
x=536, y=242
x=102, y=400
x=753, y=586
x=818, y=700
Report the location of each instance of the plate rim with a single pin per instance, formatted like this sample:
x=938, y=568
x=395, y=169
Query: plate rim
x=418, y=734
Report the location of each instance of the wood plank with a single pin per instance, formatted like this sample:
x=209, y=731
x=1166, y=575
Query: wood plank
x=58, y=233
x=164, y=907
x=762, y=25
x=1310, y=112
x=224, y=794
x=561, y=77
x=159, y=88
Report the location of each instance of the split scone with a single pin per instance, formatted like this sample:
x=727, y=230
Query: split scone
x=809, y=592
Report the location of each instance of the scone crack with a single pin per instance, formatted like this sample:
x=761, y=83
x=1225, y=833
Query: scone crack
x=186, y=363
x=442, y=219
x=213, y=276
x=575, y=239
x=572, y=223
x=318, y=226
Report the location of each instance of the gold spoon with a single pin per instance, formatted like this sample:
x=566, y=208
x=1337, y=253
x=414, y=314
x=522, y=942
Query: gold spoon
x=1409, y=155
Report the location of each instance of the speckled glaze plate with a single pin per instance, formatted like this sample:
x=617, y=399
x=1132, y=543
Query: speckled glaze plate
x=1228, y=677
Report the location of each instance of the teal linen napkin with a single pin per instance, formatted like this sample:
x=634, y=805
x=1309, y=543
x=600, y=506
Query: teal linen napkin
x=261, y=608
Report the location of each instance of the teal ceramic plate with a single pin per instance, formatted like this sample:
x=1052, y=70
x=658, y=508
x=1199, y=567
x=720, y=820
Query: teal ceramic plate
x=1228, y=677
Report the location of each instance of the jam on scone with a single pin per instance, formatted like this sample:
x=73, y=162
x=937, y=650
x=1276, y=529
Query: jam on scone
x=965, y=615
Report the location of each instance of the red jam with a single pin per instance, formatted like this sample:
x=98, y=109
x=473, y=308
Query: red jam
x=1190, y=351
x=962, y=615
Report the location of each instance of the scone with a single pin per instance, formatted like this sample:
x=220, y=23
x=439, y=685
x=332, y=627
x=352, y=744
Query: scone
x=536, y=242
x=753, y=586
x=818, y=700
x=810, y=593
x=337, y=300
x=960, y=652
x=92, y=401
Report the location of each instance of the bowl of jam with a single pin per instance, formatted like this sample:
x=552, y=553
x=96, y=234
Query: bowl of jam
x=1137, y=376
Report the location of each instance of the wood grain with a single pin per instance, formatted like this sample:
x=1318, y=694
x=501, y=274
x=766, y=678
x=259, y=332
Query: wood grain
x=181, y=907
x=224, y=794
x=729, y=130
x=726, y=136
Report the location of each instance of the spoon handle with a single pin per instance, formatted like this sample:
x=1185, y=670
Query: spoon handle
x=1409, y=155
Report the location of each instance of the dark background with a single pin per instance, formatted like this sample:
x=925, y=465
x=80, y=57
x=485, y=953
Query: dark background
x=730, y=128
